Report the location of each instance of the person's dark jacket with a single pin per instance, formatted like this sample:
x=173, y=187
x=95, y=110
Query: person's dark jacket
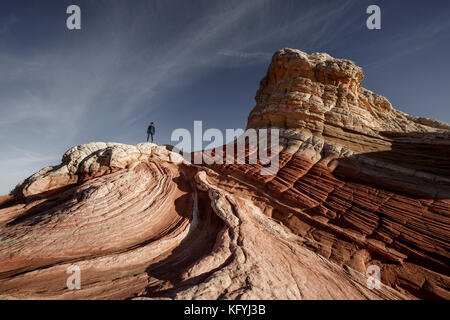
x=151, y=130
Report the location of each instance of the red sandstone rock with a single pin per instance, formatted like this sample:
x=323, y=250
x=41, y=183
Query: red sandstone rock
x=371, y=183
x=359, y=184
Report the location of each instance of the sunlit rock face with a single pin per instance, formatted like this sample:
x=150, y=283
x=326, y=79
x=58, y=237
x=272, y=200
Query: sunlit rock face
x=358, y=184
x=141, y=222
x=369, y=184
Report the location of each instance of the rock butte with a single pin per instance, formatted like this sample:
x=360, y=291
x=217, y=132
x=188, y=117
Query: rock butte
x=359, y=184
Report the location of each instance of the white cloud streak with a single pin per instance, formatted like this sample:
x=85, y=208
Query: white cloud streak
x=98, y=81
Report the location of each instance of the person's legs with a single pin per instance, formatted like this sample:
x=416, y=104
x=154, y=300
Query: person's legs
x=148, y=136
x=152, y=138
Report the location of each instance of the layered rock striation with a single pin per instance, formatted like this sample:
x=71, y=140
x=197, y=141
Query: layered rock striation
x=146, y=224
x=372, y=183
x=358, y=184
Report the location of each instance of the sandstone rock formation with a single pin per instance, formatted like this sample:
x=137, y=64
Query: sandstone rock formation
x=151, y=225
x=359, y=184
x=371, y=183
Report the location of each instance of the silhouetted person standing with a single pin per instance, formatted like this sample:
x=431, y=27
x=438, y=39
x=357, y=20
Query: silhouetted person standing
x=151, y=131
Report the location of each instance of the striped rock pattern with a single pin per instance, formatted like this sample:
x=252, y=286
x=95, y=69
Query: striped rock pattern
x=158, y=229
x=371, y=183
x=358, y=184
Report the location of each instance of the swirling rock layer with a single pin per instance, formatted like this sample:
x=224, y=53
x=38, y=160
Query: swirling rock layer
x=358, y=184
x=158, y=229
x=370, y=184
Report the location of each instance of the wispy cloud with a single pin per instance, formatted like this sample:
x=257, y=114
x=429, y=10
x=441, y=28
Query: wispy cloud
x=25, y=156
x=66, y=85
x=60, y=88
x=421, y=37
x=245, y=55
x=75, y=87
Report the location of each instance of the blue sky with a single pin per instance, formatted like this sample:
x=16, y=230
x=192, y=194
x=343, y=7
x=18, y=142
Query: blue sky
x=174, y=62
